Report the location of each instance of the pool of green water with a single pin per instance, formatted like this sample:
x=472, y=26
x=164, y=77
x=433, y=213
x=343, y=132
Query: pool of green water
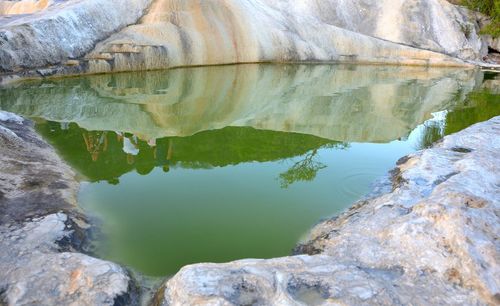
x=215, y=164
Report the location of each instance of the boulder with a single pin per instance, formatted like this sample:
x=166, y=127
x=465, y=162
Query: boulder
x=34, y=272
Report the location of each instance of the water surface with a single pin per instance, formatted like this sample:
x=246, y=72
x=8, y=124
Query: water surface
x=221, y=163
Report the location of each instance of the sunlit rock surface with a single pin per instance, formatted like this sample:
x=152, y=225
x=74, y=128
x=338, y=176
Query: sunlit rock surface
x=16, y=7
x=34, y=272
x=428, y=24
x=432, y=240
x=41, y=229
x=386, y=102
x=62, y=31
x=193, y=32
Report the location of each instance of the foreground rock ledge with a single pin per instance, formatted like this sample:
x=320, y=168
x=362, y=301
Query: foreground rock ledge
x=432, y=240
x=42, y=231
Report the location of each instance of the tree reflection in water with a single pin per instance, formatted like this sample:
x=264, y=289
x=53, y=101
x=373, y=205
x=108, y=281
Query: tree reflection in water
x=107, y=155
x=307, y=168
x=95, y=142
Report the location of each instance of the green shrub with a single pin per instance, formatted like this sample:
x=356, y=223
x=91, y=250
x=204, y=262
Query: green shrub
x=490, y=8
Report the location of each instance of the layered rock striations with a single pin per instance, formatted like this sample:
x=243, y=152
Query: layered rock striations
x=431, y=241
x=92, y=36
x=181, y=33
x=435, y=25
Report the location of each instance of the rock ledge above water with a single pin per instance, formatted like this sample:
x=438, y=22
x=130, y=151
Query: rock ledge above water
x=42, y=232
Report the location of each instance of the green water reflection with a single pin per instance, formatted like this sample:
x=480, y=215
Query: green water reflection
x=221, y=163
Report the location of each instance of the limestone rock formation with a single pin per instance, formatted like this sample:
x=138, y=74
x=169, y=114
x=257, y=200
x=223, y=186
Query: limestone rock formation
x=41, y=230
x=431, y=241
x=194, y=32
x=15, y=7
x=433, y=25
x=33, y=181
x=65, y=30
x=181, y=33
x=34, y=272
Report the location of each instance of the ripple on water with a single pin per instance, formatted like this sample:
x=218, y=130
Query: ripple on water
x=356, y=182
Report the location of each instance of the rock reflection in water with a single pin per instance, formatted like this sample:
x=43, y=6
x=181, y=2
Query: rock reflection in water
x=385, y=103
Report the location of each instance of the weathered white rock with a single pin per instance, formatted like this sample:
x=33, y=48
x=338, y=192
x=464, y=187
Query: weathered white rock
x=33, y=272
x=33, y=181
x=15, y=7
x=10, y=117
x=433, y=240
x=193, y=32
x=63, y=30
x=433, y=25
x=181, y=33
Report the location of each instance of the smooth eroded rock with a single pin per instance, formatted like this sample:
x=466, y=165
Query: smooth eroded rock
x=34, y=272
x=33, y=181
x=64, y=30
x=182, y=33
x=176, y=33
x=428, y=24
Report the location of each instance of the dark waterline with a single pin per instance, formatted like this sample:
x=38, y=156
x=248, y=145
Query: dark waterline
x=222, y=163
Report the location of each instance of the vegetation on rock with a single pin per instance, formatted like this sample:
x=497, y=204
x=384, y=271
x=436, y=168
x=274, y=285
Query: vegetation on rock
x=490, y=8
